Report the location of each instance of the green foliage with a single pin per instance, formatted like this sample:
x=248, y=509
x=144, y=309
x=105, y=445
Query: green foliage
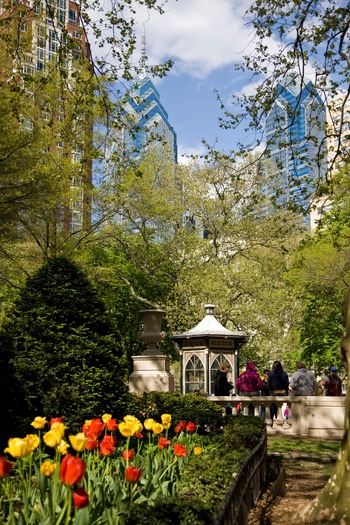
x=170, y=511
x=206, y=478
x=64, y=357
x=189, y=407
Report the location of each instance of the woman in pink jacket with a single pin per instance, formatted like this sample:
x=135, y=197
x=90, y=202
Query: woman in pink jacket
x=249, y=383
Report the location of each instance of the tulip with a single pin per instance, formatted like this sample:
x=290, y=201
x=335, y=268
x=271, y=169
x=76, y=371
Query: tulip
x=128, y=455
x=132, y=474
x=134, y=422
x=48, y=468
x=166, y=421
x=112, y=425
x=78, y=441
x=127, y=429
x=179, y=450
x=39, y=422
x=72, y=470
x=63, y=447
x=33, y=441
x=148, y=424
x=86, y=426
x=157, y=428
x=18, y=447
x=181, y=426
x=56, y=420
x=5, y=467
x=107, y=445
x=106, y=417
x=58, y=427
x=92, y=444
x=191, y=427
x=163, y=443
x=197, y=451
x=96, y=427
x=80, y=498
x=52, y=438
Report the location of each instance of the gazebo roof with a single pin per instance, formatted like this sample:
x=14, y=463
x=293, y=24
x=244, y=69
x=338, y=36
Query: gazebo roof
x=209, y=326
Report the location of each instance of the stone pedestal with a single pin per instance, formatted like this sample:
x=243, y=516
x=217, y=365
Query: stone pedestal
x=152, y=368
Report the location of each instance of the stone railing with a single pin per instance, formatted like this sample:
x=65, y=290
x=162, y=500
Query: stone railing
x=309, y=416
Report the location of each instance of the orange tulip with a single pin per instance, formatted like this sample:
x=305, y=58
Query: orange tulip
x=132, y=474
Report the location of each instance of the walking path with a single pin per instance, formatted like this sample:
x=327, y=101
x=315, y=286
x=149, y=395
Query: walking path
x=305, y=476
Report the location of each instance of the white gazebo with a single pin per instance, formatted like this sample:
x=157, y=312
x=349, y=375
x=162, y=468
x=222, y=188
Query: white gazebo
x=203, y=349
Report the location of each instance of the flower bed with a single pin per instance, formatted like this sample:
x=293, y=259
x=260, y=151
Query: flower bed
x=110, y=472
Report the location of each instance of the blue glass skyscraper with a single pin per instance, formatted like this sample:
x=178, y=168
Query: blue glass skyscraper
x=296, y=142
x=147, y=125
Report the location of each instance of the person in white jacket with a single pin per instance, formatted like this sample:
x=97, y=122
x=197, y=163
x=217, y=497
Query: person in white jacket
x=303, y=382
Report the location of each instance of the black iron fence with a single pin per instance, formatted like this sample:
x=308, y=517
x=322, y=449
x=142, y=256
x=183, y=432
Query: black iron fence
x=245, y=489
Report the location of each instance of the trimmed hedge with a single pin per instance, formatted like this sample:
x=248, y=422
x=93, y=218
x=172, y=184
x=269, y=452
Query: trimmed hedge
x=207, y=478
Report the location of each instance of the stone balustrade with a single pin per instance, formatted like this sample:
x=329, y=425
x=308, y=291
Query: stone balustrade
x=309, y=416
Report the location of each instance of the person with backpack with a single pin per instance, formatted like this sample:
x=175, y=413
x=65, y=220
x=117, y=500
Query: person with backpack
x=333, y=386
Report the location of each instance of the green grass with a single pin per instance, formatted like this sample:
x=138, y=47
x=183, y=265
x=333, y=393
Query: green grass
x=282, y=445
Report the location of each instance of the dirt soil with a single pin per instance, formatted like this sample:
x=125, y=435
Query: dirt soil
x=304, y=479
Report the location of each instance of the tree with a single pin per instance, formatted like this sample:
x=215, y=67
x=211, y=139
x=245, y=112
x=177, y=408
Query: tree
x=65, y=357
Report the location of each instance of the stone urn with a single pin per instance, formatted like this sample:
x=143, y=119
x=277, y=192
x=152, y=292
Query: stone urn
x=151, y=332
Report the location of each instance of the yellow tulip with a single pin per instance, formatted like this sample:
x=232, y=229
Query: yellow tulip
x=63, y=447
x=106, y=417
x=52, y=438
x=157, y=428
x=18, y=447
x=166, y=419
x=197, y=451
x=39, y=422
x=148, y=424
x=78, y=441
x=33, y=441
x=127, y=429
x=48, y=468
x=58, y=427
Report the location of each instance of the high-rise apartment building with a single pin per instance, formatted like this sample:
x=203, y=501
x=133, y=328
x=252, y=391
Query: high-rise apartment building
x=295, y=135
x=52, y=44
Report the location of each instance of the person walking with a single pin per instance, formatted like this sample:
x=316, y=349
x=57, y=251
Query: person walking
x=333, y=385
x=278, y=385
x=222, y=386
x=303, y=382
x=249, y=383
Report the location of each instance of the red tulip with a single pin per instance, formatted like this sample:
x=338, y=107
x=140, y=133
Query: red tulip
x=112, y=425
x=128, y=455
x=138, y=435
x=163, y=443
x=132, y=474
x=107, y=445
x=96, y=427
x=180, y=426
x=5, y=467
x=179, y=450
x=92, y=444
x=80, y=498
x=72, y=470
x=56, y=420
x=191, y=427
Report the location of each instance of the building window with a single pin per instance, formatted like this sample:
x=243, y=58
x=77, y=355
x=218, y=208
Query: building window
x=72, y=16
x=194, y=374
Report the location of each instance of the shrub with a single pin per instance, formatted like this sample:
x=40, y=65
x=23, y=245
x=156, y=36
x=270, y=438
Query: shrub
x=59, y=350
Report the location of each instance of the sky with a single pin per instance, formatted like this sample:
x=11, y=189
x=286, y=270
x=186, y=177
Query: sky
x=205, y=39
